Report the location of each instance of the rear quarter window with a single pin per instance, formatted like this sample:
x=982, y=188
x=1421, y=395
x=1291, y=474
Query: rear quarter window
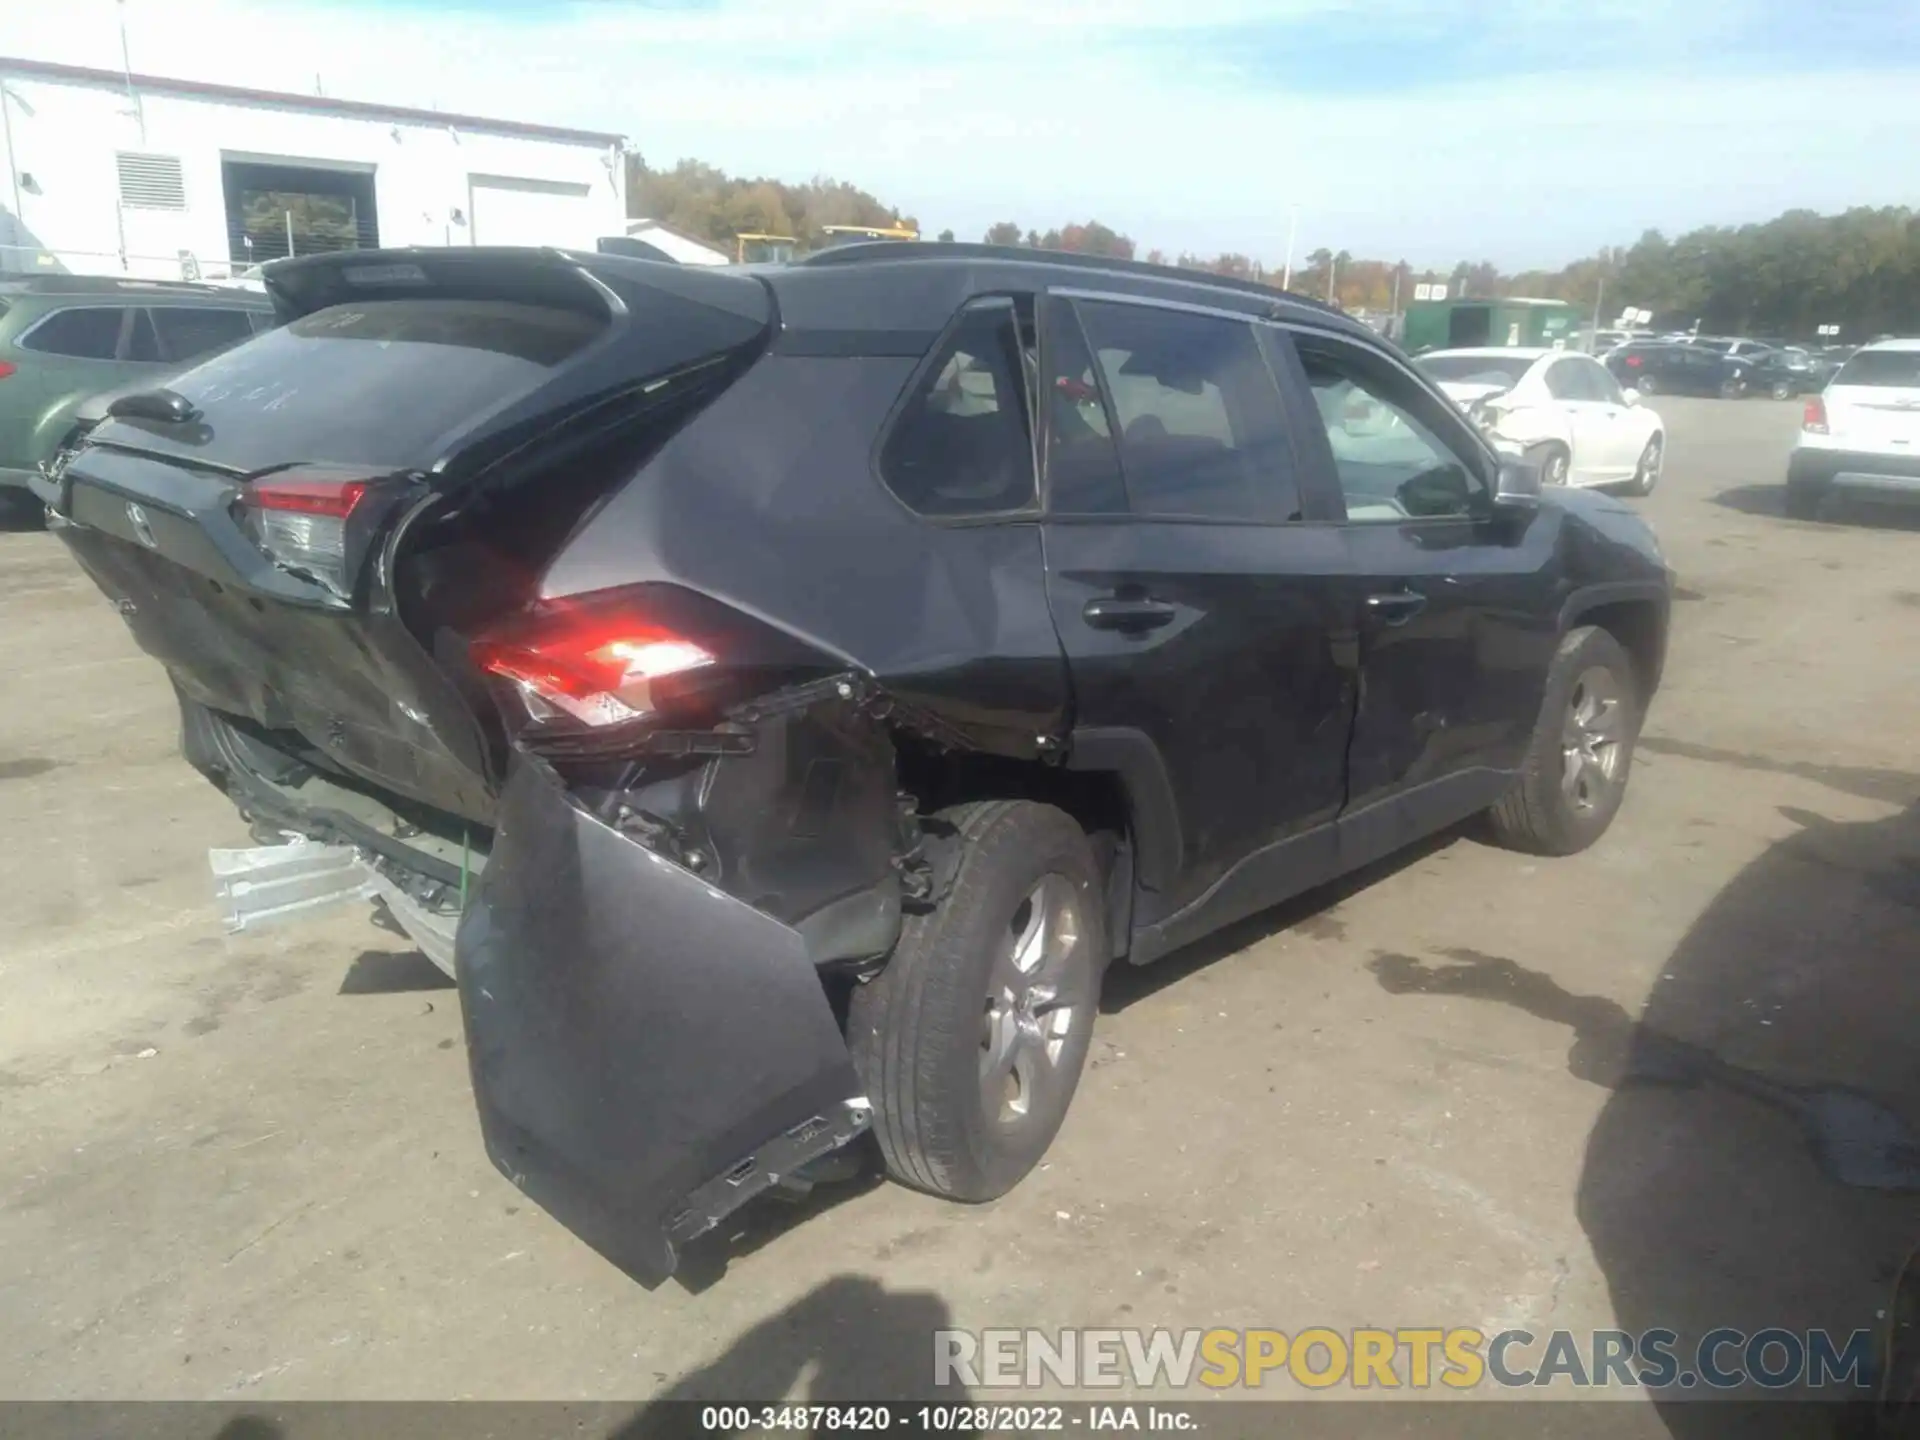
x=378, y=383
x=961, y=446
x=89, y=332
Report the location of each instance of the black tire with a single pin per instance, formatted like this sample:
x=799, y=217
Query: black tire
x=1539, y=816
x=1782, y=390
x=1731, y=389
x=1646, y=384
x=1803, y=500
x=1646, y=474
x=916, y=1029
x=1556, y=464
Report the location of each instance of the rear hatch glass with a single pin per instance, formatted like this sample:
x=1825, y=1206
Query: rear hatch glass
x=1875, y=398
x=379, y=384
x=1890, y=369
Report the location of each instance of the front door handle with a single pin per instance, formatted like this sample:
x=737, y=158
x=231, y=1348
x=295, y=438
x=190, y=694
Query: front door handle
x=1114, y=612
x=1397, y=606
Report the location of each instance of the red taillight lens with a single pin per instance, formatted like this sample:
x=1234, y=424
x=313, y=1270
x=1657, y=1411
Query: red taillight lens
x=334, y=499
x=7, y=368
x=596, y=659
x=301, y=522
x=1633, y=362
x=1815, y=417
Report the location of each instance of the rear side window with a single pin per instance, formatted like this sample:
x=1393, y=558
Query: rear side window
x=1199, y=416
x=377, y=383
x=189, y=331
x=87, y=333
x=962, y=445
x=1893, y=369
x=1083, y=462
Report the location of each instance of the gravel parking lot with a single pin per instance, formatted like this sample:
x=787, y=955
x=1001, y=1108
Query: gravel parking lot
x=1475, y=1090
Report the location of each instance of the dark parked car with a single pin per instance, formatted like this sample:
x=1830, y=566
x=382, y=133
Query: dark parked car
x=65, y=337
x=808, y=681
x=1781, y=374
x=1656, y=369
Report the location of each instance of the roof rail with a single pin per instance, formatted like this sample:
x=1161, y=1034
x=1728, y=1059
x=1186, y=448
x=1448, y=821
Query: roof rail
x=894, y=253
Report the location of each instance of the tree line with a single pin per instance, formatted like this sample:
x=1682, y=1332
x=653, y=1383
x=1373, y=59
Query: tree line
x=1859, y=270
x=1791, y=275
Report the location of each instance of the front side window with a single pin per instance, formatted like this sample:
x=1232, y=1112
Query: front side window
x=962, y=444
x=1600, y=383
x=1563, y=381
x=89, y=332
x=1392, y=467
x=1199, y=416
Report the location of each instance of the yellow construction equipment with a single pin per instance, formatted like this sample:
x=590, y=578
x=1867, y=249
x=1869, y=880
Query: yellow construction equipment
x=831, y=235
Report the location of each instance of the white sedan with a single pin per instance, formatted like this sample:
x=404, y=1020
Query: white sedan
x=1560, y=407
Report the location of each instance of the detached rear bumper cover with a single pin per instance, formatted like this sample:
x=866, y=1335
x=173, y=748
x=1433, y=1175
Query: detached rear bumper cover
x=647, y=1051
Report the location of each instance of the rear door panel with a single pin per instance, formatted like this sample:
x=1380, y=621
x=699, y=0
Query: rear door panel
x=1242, y=686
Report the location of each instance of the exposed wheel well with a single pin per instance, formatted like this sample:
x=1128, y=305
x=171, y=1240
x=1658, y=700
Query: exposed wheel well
x=1636, y=625
x=940, y=779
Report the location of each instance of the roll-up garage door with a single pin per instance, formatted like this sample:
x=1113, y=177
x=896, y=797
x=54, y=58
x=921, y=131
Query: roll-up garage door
x=508, y=211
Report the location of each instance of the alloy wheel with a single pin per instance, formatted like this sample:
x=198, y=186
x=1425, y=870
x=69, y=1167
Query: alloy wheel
x=1592, y=738
x=1036, y=997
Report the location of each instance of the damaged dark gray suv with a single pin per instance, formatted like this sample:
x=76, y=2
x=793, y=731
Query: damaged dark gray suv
x=799, y=684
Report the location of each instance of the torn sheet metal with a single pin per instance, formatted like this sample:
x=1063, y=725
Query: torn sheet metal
x=269, y=884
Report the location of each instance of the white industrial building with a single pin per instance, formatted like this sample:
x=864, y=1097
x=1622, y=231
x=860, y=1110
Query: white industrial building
x=110, y=172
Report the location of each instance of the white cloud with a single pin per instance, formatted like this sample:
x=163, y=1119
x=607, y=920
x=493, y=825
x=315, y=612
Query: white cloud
x=965, y=113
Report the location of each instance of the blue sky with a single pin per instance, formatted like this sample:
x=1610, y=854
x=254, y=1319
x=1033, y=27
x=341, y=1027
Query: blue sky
x=1523, y=131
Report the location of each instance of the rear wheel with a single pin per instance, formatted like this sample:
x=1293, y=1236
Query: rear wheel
x=1731, y=389
x=1646, y=475
x=1555, y=464
x=1781, y=390
x=972, y=1040
x=1575, y=772
x=1646, y=384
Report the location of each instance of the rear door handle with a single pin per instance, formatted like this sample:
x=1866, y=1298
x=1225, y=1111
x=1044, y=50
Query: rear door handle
x=1396, y=607
x=1116, y=613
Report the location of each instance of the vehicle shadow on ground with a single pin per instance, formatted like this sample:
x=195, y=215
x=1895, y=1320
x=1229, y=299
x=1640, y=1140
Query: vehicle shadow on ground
x=392, y=972
x=1771, y=501
x=1127, y=984
x=1758, y=1162
x=852, y=1339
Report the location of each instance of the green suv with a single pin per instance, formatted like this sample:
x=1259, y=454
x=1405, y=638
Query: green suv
x=64, y=338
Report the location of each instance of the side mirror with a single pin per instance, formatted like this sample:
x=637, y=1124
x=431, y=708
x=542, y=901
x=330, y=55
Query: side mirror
x=1518, y=485
x=1630, y=395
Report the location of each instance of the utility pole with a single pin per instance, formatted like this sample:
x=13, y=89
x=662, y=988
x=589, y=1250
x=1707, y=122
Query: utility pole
x=1293, y=226
x=126, y=68
x=1394, y=323
x=1599, y=299
x=1333, y=272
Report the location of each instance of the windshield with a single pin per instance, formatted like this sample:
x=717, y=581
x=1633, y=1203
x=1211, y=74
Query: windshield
x=1887, y=369
x=1505, y=371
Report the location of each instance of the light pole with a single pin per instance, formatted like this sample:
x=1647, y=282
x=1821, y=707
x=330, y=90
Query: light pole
x=1293, y=226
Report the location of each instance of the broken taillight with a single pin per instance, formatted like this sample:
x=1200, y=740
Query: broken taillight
x=300, y=521
x=1815, y=417
x=596, y=658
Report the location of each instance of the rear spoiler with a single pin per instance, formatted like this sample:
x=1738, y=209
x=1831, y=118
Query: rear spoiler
x=562, y=279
